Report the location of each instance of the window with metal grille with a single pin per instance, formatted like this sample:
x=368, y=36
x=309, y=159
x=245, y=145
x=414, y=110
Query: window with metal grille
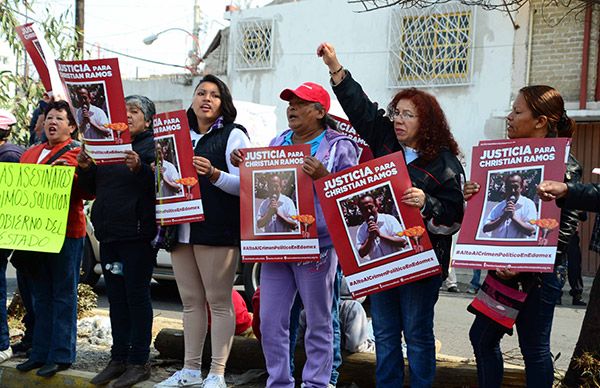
x=431, y=46
x=254, y=47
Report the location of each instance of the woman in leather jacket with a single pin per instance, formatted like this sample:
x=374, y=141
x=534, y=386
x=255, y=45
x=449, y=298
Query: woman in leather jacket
x=538, y=111
x=416, y=125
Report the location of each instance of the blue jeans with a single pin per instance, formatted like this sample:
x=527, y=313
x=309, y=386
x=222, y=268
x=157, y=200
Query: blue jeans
x=4, y=334
x=476, y=279
x=294, y=324
x=408, y=310
x=25, y=284
x=533, y=323
x=129, y=298
x=55, y=304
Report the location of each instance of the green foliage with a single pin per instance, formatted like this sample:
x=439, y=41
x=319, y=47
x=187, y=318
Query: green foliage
x=20, y=93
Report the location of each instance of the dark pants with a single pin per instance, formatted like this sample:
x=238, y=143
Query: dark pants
x=129, y=298
x=55, y=304
x=4, y=334
x=533, y=323
x=408, y=310
x=574, y=267
x=24, y=283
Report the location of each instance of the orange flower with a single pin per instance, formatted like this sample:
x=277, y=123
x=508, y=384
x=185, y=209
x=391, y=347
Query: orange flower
x=304, y=219
x=189, y=181
x=119, y=127
x=545, y=223
x=415, y=231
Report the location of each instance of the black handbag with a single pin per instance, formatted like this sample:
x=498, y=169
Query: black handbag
x=166, y=237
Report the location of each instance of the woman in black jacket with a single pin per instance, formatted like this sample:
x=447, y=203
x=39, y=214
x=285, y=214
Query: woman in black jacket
x=124, y=222
x=572, y=195
x=416, y=125
x=537, y=112
x=207, y=255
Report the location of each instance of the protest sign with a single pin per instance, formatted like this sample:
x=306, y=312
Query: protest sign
x=381, y=243
x=177, y=187
x=506, y=223
x=42, y=57
x=278, y=221
x=344, y=126
x=34, y=205
x=95, y=92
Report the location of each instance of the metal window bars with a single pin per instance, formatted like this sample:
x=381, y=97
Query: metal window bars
x=431, y=47
x=254, y=44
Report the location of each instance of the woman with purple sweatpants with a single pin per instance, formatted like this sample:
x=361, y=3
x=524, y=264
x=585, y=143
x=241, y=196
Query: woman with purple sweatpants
x=313, y=281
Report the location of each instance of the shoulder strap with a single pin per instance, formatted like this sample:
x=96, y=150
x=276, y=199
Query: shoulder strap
x=62, y=151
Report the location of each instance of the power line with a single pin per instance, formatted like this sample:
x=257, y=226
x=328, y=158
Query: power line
x=91, y=45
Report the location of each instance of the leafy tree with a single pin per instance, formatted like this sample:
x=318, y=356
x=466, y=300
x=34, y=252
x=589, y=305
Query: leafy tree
x=20, y=93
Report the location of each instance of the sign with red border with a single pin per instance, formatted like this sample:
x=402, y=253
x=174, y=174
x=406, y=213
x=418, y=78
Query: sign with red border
x=278, y=222
x=506, y=223
x=381, y=243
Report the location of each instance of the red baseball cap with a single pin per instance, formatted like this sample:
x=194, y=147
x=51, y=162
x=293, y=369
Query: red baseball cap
x=309, y=91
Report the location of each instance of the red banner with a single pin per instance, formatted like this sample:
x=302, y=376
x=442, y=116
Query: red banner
x=381, y=243
x=277, y=218
x=95, y=92
x=42, y=57
x=506, y=223
x=177, y=189
x=345, y=127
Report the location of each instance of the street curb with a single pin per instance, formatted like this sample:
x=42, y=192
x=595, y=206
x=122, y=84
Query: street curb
x=10, y=377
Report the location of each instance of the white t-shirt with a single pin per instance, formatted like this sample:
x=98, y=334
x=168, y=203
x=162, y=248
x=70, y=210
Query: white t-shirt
x=286, y=208
x=170, y=172
x=525, y=211
x=97, y=117
x=389, y=226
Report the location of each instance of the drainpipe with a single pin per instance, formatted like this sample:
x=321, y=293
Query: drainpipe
x=585, y=57
x=597, y=90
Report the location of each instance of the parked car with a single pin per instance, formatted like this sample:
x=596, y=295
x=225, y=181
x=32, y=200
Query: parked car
x=247, y=275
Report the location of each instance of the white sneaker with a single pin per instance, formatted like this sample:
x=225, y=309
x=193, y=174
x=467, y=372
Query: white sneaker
x=182, y=378
x=214, y=381
x=5, y=354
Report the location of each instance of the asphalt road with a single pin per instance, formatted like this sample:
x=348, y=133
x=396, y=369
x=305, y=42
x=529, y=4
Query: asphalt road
x=452, y=321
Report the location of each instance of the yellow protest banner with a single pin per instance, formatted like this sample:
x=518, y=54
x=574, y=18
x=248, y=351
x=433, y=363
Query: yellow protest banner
x=34, y=206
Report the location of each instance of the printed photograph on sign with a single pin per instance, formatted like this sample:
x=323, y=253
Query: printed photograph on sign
x=373, y=224
x=168, y=171
x=92, y=110
x=275, y=199
x=512, y=206
x=38, y=47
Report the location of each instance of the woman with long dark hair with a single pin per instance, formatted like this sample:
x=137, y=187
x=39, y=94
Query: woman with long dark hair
x=537, y=112
x=207, y=255
x=415, y=125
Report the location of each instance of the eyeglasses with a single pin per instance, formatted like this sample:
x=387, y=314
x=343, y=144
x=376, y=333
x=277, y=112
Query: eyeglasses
x=404, y=115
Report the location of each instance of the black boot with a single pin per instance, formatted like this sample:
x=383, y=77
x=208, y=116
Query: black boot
x=133, y=375
x=50, y=369
x=113, y=370
x=578, y=301
x=29, y=365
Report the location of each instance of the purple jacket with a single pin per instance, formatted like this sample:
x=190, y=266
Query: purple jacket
x=10, y=153
x=337, y=152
